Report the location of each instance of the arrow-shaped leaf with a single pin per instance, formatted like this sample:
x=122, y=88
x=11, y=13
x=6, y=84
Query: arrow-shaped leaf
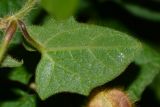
x=78, y=57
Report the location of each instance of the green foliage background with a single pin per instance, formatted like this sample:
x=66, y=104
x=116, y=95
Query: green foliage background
x=71, y=64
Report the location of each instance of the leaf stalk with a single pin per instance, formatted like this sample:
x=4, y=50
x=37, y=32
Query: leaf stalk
x=29, y=39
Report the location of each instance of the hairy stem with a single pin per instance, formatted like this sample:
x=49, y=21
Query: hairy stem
x=8, y=36
x=24, y=11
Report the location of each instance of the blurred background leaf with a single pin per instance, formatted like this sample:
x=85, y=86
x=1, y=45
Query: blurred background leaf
x=149, y=62
x=7, y=7
x=24, y=100
x=20, y=74
x=140, y=10
x=11, y=62
x=155, y=86
x=60, y=9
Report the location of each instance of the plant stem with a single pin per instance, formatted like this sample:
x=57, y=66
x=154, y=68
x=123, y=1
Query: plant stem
x=24, y=11
x=29, y=39
x=8, y=36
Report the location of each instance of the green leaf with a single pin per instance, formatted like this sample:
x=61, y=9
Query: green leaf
x=79, y=57
x=60, y=9
x=11, y=62
x=24, y=101
x=19, y=74
x=8, y=6
x=141, y=11
x=149, y=61
x=27, y=101
x=156, y=87
x=111, y=23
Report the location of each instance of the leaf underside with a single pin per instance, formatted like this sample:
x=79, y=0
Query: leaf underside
x=79, y=57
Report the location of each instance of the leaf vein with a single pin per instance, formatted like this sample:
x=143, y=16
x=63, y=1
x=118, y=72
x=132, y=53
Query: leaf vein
x=60, y=33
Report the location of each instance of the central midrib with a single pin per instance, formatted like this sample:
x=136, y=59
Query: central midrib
x=91, y=47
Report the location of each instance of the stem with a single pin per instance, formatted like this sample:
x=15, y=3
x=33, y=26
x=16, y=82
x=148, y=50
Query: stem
x=24, y=11
x=26, y=35
x=9, y=34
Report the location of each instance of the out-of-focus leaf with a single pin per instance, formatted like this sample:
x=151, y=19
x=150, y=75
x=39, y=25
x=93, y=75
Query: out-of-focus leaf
x=10, y=6
x=60, y=9
x=27, y=101
x=11, y=62
x=155, y=86
x=149, y=62
x=78, y=57
x=19, y=74
x=24, y=101
x=111, y=23
x=141, y=11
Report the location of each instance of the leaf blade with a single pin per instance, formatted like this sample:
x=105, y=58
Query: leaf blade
x=78, y=56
